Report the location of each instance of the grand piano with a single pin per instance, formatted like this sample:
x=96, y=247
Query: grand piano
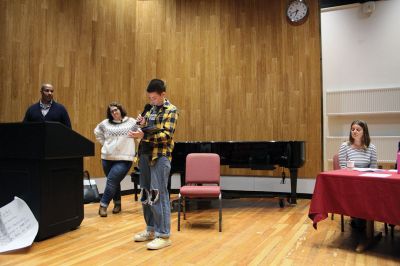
x=256, y=155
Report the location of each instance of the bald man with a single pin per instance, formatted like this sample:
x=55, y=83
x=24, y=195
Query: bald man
x=47, y=109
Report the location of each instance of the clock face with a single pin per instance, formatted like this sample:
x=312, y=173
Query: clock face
x=297, y=11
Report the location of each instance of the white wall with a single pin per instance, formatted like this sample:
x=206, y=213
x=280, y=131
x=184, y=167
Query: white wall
x=360, y=51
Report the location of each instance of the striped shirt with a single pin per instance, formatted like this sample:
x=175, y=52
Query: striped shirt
x=362, y=158
x=162, y=141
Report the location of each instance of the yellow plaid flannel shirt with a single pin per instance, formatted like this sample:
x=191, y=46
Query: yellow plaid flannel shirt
x=162, y=141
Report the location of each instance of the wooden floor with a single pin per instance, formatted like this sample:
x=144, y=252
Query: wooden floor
x=255, y=232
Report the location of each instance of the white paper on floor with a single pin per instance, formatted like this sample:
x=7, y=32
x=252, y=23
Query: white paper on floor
x=18, y=226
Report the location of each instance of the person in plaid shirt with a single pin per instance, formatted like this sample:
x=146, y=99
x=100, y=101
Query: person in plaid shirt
x=156, y=132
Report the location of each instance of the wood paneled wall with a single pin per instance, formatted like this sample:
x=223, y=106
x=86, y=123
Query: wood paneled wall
x=235, y=69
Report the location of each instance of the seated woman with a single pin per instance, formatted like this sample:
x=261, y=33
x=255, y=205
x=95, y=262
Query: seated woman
x=361, y=151
x=358, y=148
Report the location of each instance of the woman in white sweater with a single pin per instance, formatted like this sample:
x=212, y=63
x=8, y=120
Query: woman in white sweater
x=117, y=153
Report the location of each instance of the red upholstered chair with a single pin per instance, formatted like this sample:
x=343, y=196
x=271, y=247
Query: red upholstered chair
x=202, y=181
x=336, y=166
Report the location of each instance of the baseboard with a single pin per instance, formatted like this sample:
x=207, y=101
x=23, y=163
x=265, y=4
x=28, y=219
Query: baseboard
x=246, y=185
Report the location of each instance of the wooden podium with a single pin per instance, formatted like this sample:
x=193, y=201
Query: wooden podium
x=42, y=163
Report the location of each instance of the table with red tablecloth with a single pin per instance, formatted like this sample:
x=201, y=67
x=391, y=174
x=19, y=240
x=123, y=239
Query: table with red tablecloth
x=348, y=192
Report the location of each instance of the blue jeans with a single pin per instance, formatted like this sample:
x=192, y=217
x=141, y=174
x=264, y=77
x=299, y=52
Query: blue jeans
x=115, y=172
x=155, y=196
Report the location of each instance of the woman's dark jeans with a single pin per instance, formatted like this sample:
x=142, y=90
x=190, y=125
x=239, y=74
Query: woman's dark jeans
x=115, y=172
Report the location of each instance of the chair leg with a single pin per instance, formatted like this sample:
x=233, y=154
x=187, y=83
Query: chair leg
x=184, y=208
x=391, y=229
x=179, y=213
x=342, y=222
x=220, y=213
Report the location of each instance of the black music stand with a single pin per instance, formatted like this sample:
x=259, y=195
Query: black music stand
x=42, y=163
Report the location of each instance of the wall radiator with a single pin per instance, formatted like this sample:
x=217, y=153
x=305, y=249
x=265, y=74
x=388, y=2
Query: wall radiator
x=363, y=101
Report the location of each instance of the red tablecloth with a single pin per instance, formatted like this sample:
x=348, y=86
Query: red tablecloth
x=346, y=192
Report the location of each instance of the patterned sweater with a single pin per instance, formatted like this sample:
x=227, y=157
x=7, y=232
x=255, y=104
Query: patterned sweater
x=117, y=146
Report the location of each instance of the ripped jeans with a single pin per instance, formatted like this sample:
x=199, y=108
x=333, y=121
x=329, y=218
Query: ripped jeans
x=154, y=195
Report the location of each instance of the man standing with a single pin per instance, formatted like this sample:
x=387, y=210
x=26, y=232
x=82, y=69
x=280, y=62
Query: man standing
x=47, y=109
x=155, y=154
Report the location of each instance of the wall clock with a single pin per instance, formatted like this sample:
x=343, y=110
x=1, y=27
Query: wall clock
x=297, y=12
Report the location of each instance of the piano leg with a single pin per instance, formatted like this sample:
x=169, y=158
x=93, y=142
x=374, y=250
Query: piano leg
x=281, y=202
x=293, y=186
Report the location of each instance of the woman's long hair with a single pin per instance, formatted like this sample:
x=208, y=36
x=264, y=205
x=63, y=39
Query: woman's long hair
x=365, y=140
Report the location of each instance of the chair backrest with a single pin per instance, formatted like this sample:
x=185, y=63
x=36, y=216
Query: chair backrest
x=203, y=168
x=336, y=165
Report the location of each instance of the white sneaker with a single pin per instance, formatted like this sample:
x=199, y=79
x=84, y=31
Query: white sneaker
x=144, y=236
x=159, y=243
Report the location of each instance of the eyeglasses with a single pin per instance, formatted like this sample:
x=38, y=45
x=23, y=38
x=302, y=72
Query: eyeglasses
x=48, y=90
x=114, y=110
